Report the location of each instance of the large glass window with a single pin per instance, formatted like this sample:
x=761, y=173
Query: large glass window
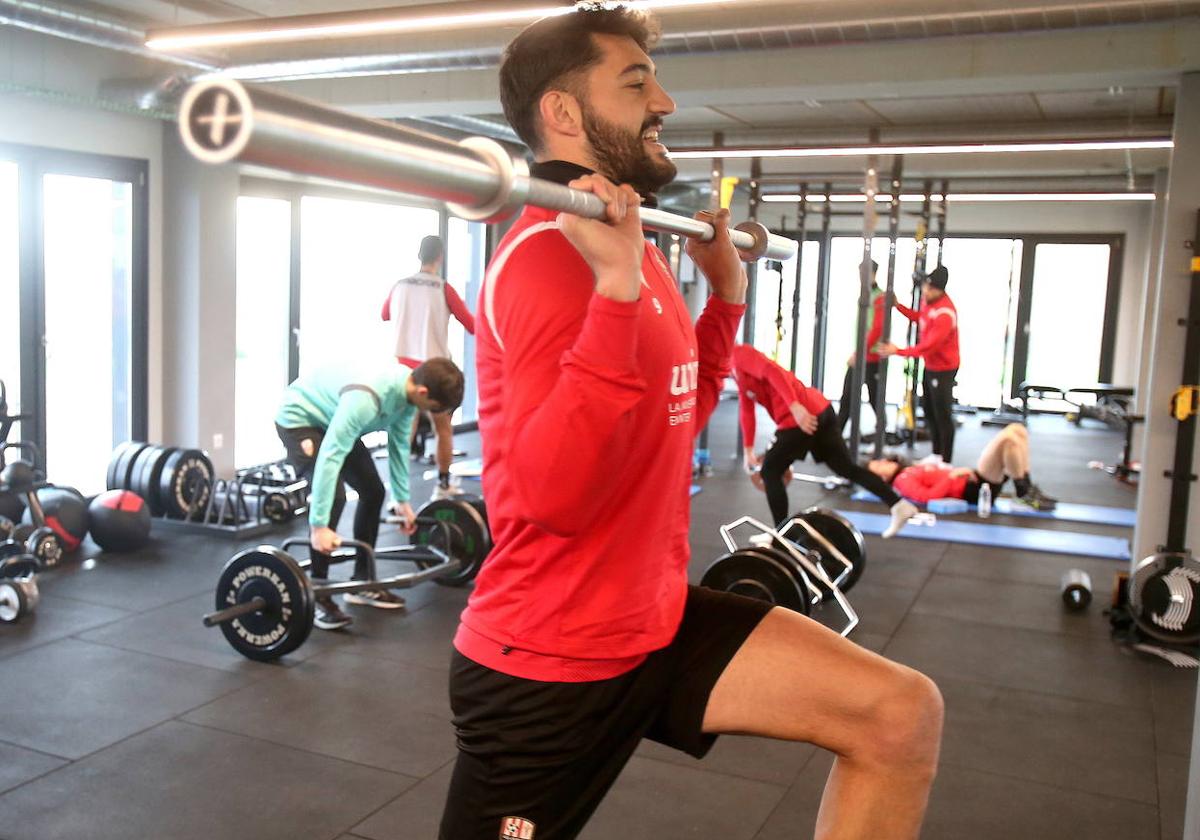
x=352, y=252
x=1066, y=315
x=465, y=249
x=88, y=253
x=10, y=290
x=770, y=300
x=984, y=276
x=263, y=325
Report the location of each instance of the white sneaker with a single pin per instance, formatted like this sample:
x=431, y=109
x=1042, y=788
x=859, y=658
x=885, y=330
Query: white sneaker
x=450, y=492
x=902, y=511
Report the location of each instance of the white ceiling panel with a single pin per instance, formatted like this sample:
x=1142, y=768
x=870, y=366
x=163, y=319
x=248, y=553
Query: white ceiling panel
x=958, y=109
x=1118, y=102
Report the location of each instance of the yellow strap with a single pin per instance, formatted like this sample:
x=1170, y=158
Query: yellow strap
x=1195, y=265
x=1185, y=402
x=727, y=185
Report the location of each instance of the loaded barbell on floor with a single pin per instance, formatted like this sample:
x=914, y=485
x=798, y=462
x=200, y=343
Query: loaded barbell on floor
x=814, y=557
x=222, y=120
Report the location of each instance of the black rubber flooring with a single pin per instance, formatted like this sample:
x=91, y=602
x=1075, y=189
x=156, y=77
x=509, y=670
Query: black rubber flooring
x=122, y=717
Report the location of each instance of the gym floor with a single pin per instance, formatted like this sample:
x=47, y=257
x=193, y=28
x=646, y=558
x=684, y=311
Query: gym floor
x=122, y=717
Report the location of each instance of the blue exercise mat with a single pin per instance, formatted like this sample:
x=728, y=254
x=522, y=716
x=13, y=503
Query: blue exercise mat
x=1064, y=511
x=1000, y=536
x=695, y=488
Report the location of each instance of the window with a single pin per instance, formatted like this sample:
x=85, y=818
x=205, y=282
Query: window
x=10, y=290
x=264, y=233
x=87, y=283
x=1067, y=313
x=352, y=252
x=465, y=247
x=770, y=300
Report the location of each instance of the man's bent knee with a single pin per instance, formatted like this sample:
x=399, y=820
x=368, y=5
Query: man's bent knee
x=905, y=725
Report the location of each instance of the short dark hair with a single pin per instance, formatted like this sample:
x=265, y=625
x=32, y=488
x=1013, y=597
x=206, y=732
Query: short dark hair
x=552, y=52
x=444, y=381
x=431, y=248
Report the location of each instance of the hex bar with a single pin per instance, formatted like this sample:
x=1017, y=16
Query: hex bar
x=221, y=120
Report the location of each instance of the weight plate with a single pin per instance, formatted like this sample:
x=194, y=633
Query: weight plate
x=118, y=465
x=285, y=622
x=125, y=468
x=18, y=566
x=149, y=470
x=185, y=482
x=470, y=540
x=1164, y=597
x=276, y=507
x=760, y=575
x=21, y=533
x=136, y=464
x=480, y=508
x=12, y=601
x=842, y=534
x=11, y=548
x=45, y=546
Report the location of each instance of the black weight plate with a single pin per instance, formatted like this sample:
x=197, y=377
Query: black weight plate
x=44, y=545
x=185, y=482
x=11, y=548
x=136, y=465
x=753, y=574
x=286, y=620
x=118, y=465
x=17, y=566
x=150, y=467
x=480, y=508
x=276, y=507
x=470, y=540
x=125, y=466
x=842, y=534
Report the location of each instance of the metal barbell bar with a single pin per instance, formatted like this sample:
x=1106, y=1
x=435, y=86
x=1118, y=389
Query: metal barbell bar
x=222, y=120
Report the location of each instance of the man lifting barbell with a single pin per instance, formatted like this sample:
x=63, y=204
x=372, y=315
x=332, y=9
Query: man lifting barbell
x=805, y=424
x=321, y=422
x=582, y=636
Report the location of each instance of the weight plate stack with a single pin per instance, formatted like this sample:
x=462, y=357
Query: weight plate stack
x=184, y=483
x=147, y=475
x=122, y=459
x=470, y=539
x=287, y=619
x=765, y=574
x=842, y=534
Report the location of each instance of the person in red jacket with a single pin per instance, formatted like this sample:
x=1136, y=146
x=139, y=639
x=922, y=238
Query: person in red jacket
x=1005, y=457
x=804, y=423
x=581, y=635
x=871, y=369
x=420, y=307
x=938, y=346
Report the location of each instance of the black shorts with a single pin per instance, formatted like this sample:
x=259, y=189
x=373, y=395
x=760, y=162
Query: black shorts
x=824, y=444
x=535, y=758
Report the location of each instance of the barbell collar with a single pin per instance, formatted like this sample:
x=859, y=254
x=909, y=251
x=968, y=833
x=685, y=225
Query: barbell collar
x=222, y=120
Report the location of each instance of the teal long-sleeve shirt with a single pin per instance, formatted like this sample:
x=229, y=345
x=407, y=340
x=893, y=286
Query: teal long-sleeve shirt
x=347, y=405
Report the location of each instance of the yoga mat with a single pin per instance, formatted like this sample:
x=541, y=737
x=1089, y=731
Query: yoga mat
x=999, y=536
x=1064, y=511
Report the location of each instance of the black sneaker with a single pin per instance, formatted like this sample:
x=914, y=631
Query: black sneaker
x=381, y=598
x=1037, y=499
x=329, y=616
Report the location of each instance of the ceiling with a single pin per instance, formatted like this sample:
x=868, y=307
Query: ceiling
x=757, y=71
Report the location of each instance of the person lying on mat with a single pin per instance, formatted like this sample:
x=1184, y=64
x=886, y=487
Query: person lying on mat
x=804, y=423
x=1006, y=456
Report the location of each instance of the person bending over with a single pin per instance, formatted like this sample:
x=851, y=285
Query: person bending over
x=1005, y=457
x=804, y=424
x=420, y=307
x=871, y=369
x=321, y=421
x=938, y=345
x=582, y=635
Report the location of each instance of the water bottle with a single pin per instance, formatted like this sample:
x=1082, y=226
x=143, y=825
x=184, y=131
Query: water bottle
x=985, y=500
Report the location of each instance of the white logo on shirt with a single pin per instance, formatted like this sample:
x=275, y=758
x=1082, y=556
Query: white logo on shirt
x=684, y=380
x=657, y=306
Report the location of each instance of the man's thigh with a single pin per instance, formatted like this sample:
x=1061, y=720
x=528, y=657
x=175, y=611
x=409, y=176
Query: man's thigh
x=796, y=680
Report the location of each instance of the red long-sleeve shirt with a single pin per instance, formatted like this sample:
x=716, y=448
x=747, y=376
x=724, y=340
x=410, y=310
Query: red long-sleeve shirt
x=938, y=343
x=453, y=302
x=762, y=381
x=926, y=482
x=588, y=409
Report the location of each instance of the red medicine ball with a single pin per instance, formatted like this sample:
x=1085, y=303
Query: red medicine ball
x=120, y=520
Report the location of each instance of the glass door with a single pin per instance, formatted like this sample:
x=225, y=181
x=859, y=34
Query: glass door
x=87, y=261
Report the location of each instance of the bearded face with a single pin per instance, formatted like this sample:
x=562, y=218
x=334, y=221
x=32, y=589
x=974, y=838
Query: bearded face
x=628, y=157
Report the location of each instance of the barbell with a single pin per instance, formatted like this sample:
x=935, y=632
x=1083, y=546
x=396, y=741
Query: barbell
x=222, y=120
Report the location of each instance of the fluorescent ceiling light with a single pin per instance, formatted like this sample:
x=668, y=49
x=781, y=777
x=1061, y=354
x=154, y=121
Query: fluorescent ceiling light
x=374, y=22
x=883, y=198
x=929, y=149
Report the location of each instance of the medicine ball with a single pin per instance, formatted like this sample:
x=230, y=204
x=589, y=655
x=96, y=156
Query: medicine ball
x=18, y=477
x=66, y=514
x=120, y=520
